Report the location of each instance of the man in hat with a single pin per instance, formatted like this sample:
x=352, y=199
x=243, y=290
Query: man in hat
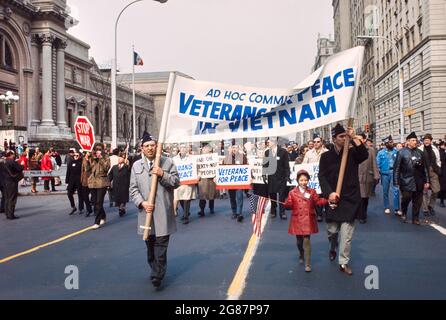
x=368, y=177
x=163, y=222
x=345, y=207
x=411, y=176
x=385, y=161
x=433, y=164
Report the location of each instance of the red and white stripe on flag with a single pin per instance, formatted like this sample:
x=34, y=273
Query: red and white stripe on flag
x=137, y=60
x=258, y=215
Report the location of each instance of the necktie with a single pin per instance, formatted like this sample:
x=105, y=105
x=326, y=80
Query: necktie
x=150, y=165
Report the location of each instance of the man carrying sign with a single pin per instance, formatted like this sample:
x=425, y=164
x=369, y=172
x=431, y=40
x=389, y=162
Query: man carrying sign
x=206, y=188
x=235, y=157
x=163, y=223
x=341, y=217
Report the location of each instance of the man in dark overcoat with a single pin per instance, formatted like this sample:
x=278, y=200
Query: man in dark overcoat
x=73, y=182
x=345, y=207
x=120, y=178
x=277, y=167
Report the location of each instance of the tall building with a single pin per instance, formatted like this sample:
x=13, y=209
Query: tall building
x=55, y=79
x=418, y=29
x=326, y=47
x=342, y=24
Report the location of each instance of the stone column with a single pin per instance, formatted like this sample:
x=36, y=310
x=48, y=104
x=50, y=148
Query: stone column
x=61, y=122
x=47, y=108
x=35, y=105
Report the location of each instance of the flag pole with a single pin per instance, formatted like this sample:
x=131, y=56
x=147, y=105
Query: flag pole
x=352, y=107
x=159, y=149
x=134, y=97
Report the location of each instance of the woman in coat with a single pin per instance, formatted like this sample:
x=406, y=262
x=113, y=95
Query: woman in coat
x=98, y=166
x=84, y=183
x=47, y=165
x=120, y=181
x=303, y=202
x=185, y=193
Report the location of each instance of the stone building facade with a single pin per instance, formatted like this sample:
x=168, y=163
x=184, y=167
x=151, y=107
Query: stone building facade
x=54, y=77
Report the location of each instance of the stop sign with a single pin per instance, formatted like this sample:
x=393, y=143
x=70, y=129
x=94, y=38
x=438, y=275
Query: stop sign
x=84, y=133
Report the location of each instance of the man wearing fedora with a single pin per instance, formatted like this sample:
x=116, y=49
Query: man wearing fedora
x=344, y=207
x=411, y=176
x=385, y=160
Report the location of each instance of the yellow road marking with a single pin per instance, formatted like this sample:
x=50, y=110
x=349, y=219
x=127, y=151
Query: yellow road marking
x=238, y=283
x=44, y=245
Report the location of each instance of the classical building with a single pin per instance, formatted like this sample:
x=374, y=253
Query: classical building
x=55, y=79
x=152, y=83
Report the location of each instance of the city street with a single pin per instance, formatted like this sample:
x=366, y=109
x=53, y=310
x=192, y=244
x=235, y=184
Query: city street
x=204, y=256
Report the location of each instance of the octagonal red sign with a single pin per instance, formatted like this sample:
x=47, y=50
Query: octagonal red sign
x=84, y=133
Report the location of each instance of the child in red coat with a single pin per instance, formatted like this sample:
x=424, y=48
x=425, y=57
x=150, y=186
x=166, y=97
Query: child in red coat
x=303, y=201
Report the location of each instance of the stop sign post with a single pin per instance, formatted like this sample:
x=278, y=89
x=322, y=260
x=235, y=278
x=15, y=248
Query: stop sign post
x=84, y=133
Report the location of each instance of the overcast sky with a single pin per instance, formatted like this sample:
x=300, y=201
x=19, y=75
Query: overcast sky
x=264, y=43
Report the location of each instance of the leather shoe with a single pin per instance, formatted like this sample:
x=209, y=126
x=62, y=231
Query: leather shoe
x=283, y=216
x=320, y=219
x=201, y=214
x=156, y=282
x=362, y=221
x=332, y=255
x=13, y=218
x=346, y=269
x=240, y=218
x=73, y=210
x=416, y=222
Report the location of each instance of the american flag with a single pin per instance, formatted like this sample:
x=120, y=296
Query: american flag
x=257, y=205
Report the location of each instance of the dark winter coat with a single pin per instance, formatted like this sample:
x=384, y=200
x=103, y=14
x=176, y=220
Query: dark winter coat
x=303, y=218
x=120, y=179
x=410, y=171
x=350, y=201
x=443, y=169
x=74, y=171
x=280, y=164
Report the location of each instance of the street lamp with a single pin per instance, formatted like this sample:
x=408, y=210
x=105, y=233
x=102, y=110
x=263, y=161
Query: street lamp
x=401, y=80
x=8, y=100
x=113, y=78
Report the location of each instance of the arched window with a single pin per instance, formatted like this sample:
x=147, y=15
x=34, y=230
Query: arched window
x=124, y=125
x=96, y=119
x=6, y=55
x=107, y=122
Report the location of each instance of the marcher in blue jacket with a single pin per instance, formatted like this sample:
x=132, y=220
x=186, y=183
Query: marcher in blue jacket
x=385, y=160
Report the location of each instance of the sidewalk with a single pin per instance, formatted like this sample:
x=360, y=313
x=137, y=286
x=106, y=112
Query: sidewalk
x=61, y=190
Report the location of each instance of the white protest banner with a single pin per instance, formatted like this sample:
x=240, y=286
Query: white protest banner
x=187, y=170
x=207, y=165
x=256, y=169
x=313, y=171
x=206, y=111
x=233, y=177
x=39, y=173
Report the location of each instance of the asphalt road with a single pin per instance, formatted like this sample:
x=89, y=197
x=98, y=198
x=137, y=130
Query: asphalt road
x=204, y=256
